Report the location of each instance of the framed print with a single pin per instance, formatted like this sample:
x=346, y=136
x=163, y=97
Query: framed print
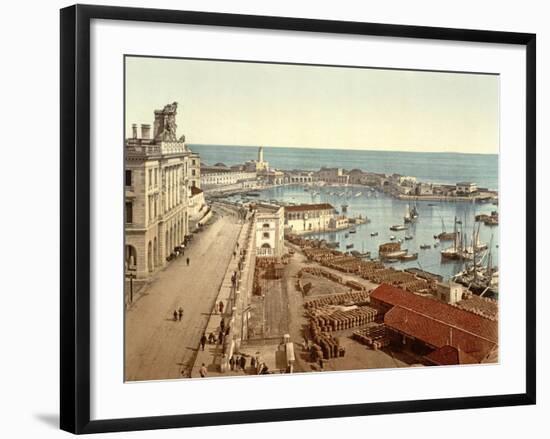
x=316, y=218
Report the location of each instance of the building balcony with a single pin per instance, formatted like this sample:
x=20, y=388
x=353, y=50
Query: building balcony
x=138, y=148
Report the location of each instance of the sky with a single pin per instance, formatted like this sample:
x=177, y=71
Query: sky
x=236, y=103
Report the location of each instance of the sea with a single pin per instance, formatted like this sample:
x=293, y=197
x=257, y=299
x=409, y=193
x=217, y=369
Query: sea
x=381, y=209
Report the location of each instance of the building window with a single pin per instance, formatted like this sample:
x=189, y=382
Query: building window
x=128, y=177
x=266, y=235
x=194, y=162
x=156, y=176
x=193, y=172
x=150, y=177
x=129, y=212
x=266, y=226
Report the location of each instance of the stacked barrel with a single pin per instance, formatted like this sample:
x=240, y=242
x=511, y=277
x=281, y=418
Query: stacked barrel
x=374, y=336
x=359, y=297
x=326, y=347
x=329, y=319
x=321, y=273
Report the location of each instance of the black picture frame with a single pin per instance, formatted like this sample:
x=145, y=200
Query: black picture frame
x=75, y=217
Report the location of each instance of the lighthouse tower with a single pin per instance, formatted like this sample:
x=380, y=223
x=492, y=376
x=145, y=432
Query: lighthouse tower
x=260, y=154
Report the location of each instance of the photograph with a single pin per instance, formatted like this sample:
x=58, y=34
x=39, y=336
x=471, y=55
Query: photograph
x=288, y=218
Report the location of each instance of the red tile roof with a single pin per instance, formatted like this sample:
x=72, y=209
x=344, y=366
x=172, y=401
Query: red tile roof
x=307, y=207
x=438, y=311
x=437, y=333
x=449, y=355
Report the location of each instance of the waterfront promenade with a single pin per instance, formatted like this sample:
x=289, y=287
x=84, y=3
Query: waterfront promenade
x=157, y=347
x=235, y=306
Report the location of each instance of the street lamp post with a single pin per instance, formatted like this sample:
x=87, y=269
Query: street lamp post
x=242, y=322
x=131, y=276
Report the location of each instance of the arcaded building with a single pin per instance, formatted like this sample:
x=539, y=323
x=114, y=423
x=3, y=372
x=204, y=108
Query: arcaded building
x=156, y=179
x=305, y=218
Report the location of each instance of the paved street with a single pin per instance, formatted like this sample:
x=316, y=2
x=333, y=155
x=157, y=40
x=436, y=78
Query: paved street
x=156, y=346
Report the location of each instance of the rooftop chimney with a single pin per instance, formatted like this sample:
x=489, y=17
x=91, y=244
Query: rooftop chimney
x=145, y=131
x=134, y=131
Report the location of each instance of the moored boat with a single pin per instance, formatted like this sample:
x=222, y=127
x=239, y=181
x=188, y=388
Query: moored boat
x=409, y=257
x=398, y=228
x=359, y=254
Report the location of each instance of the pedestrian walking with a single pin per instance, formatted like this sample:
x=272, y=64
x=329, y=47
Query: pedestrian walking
x=212, y=338
x=175, y=316
x=220, y=307
x=237, y=362
x=187, y=262
x=203, y=341
x=203, y=371
x=243, y=362
x=180, y=313
x=220, y=338
x=222, y=324
x=232, y=363
x=234, y=254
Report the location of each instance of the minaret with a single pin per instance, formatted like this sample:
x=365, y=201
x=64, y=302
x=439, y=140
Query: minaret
x=260, y=154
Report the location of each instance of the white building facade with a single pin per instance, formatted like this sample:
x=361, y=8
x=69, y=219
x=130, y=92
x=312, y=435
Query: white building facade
x=466, y=188
x=156, y=194
x=270, y=227
x=211, y=178
x=306, y=218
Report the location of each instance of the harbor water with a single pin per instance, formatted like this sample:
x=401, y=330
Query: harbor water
x=384, y=211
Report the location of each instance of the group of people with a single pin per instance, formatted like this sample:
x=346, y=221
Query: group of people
x=237, y=362
x=218, y=336
x=178, y=314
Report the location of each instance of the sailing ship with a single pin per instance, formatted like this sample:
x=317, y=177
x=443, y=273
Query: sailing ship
x=480, y=279
x=411, y=214
x=444, y=235
x=460, y=249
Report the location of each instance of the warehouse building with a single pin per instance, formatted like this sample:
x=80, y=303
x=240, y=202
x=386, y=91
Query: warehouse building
x=438, y=332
